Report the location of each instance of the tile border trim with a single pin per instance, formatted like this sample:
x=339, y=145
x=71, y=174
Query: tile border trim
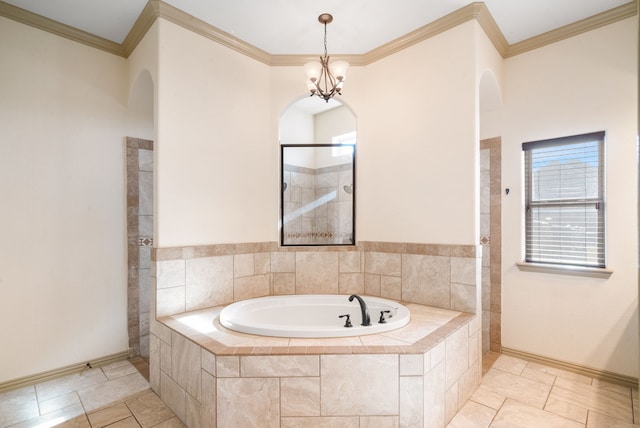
x=191, y=252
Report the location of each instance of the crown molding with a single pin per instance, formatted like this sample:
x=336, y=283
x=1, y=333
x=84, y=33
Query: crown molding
x=432, y=29
x=146, y=19
x=300, y=60
x=476, y=10
x=198, y=26
x=491, y=29
x=158, y=9
x=68, y=32
x=607, y=17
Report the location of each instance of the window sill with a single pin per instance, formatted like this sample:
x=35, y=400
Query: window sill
x=565, y=270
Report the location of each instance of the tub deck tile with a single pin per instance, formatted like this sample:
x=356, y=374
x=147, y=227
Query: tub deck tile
x=429, y=327
x=297, y=350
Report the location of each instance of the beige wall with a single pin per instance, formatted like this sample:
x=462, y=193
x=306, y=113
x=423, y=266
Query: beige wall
x=583, y=84
x=62, y=221
x=217, y=154
x=332, y=123
x=296, y=127
x=416, y=142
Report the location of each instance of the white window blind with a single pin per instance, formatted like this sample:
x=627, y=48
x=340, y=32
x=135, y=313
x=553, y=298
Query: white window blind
x=564, y=193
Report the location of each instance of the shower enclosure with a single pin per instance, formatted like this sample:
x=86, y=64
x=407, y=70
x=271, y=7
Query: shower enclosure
x=317, y=194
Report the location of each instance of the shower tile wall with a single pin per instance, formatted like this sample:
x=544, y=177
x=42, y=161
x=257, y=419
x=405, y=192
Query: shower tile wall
x=298, y=194
x=140, y=241
x=334, y=219
x=323, y=205
x=490, y=239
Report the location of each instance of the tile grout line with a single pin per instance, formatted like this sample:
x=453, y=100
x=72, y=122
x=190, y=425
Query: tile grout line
x=35, y=393
x=553, y=385
x=555, y=378
x=132, y=413
x=633, y=410
x=498, y=410
x=84, y=409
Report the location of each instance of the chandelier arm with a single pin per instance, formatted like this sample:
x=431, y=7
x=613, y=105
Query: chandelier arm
x=330, y=82
x=326, y=75
x=325, y=79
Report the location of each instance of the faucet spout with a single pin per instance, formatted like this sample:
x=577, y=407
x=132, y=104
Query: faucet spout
x=366, y=319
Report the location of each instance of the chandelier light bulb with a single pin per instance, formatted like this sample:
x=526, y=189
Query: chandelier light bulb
x=313, y=70
x=339, y=69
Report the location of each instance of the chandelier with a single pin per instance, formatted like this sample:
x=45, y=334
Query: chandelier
x=325, y=80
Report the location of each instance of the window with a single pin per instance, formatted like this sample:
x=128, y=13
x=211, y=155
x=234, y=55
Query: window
x=349, y=138
x=564, y=191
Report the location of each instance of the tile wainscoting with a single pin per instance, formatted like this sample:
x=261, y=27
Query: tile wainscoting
x=418, y=381
x=443, y=276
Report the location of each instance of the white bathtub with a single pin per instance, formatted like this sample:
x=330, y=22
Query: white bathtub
x=311, y=316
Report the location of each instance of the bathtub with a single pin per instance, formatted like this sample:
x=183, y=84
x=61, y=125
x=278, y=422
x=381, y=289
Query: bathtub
x=311, y=316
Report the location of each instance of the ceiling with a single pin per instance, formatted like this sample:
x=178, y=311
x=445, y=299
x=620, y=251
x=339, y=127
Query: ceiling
x=291, y=27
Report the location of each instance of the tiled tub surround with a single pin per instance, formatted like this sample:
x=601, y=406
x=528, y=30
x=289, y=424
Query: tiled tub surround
x=418, y=379
x=416, y=376
x=190, y=278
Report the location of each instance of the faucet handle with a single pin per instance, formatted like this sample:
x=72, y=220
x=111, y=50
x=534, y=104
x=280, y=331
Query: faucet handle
x=382, y=320
x=348, y=321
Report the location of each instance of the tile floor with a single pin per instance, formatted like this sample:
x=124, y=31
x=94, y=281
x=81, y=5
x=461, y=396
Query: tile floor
x=115, y=395
x=514, y=393
x=518, y=394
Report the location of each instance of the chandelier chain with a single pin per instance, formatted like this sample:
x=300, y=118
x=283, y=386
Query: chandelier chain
x=325, y=39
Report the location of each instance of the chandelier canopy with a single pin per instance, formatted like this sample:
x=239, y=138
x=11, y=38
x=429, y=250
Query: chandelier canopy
x=324, y=79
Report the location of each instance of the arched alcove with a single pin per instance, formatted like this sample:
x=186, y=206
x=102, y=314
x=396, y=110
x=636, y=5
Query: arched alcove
x=298, y=118
x=490, y=94
x=317, y=140
x=140, y=119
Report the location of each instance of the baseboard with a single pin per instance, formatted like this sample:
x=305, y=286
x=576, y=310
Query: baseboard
x=64, y=371
x=616, y=378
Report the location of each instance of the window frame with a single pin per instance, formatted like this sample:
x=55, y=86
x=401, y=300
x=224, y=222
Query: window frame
x=598, y=268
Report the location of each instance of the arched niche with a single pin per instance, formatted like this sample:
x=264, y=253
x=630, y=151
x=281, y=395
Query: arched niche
x=140, y=115
x=317, y=174
x=489, y=92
